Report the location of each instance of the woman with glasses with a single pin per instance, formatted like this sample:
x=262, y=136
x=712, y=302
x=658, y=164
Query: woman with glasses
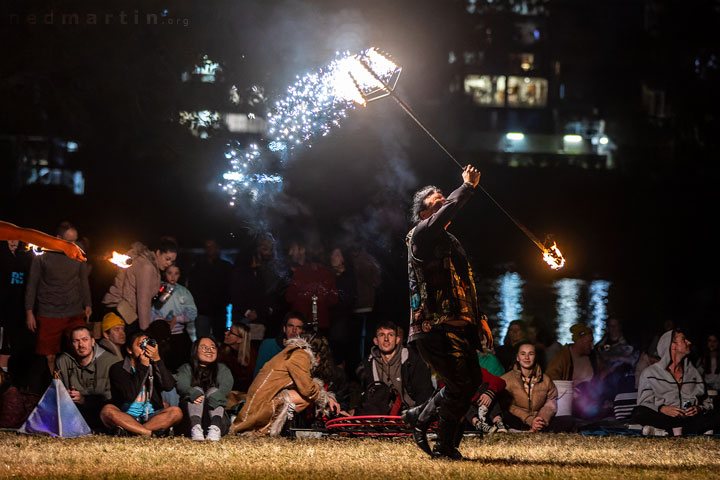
x=203, y=386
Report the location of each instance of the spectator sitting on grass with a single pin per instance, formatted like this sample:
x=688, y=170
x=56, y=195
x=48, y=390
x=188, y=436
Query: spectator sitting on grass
x=575, y=362
x=399, y=368
x=293, y=326
x=486, y=407
x=239, y=353
x=113, y=332
x=670, y=391
x=203, y=386
x=135, y=384
x=284, y=387
x=709, y=365
x=84, y=372
x=530, y=397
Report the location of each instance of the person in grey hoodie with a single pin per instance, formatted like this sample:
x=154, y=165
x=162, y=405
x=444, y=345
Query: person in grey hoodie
x=670, y=391
x=399, y=367
x=85, y=374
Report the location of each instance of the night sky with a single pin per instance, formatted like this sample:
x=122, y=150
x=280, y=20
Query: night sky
x=116, y=89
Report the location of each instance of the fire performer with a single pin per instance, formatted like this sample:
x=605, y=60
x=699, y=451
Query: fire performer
x=8, y=231
x=445, y=321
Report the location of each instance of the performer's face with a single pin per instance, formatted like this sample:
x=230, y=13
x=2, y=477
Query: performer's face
x=432, y=203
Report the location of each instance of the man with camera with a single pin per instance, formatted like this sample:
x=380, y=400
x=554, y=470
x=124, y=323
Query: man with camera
x=136, y=384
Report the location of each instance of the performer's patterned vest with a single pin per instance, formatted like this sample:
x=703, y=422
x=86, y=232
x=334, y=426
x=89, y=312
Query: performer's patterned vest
x=441, y=288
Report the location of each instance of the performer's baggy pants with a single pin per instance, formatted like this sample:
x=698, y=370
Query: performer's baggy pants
x=450, y=352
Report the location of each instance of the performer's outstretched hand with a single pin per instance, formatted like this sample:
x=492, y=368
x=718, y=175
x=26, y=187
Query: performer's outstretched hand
x=471, y=175
x=8, y=231
x=74, y=252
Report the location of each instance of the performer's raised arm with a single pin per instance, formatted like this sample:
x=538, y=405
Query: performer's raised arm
x=8, y=231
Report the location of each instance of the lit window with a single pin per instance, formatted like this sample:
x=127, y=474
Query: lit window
x=200, y=123
x=527, y=92
x=525, y=61
x=527, y=33
x=486, y=90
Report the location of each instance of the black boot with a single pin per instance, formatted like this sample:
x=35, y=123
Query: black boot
x=459, y=433
x=447, y=435
x=419, y=429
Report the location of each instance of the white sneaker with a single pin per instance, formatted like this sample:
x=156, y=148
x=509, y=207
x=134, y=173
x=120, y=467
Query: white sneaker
x=291, y=411
x=213, y=434
x=485, y=427
x=650, y=431
x=196, y=433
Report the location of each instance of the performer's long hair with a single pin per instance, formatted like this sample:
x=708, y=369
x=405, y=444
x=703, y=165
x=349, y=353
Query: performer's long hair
x=321, y=348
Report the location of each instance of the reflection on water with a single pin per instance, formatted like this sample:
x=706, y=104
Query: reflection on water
x=576, y=301
x=568, y=307
x=509, y=297
x=597, y=313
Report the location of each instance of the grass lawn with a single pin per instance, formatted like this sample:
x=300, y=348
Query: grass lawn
x=500, y=456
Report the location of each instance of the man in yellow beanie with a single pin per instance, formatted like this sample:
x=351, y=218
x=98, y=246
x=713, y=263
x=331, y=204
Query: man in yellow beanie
x=113, y=332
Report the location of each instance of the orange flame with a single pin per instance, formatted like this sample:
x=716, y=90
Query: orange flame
x=122, y=261
x=554, y=257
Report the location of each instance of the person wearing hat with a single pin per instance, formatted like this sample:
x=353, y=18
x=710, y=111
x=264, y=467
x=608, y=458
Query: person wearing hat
x=113, y=332
x=573, y=362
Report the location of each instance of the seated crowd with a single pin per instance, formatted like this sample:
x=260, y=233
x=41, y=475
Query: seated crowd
x=162, y=358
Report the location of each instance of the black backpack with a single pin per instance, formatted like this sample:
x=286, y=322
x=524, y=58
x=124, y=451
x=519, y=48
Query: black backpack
x=378, y=399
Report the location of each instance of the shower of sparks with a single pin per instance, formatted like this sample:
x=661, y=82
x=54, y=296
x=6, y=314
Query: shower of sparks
x=314, y=105
x=319, y=101
x=244, y=175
